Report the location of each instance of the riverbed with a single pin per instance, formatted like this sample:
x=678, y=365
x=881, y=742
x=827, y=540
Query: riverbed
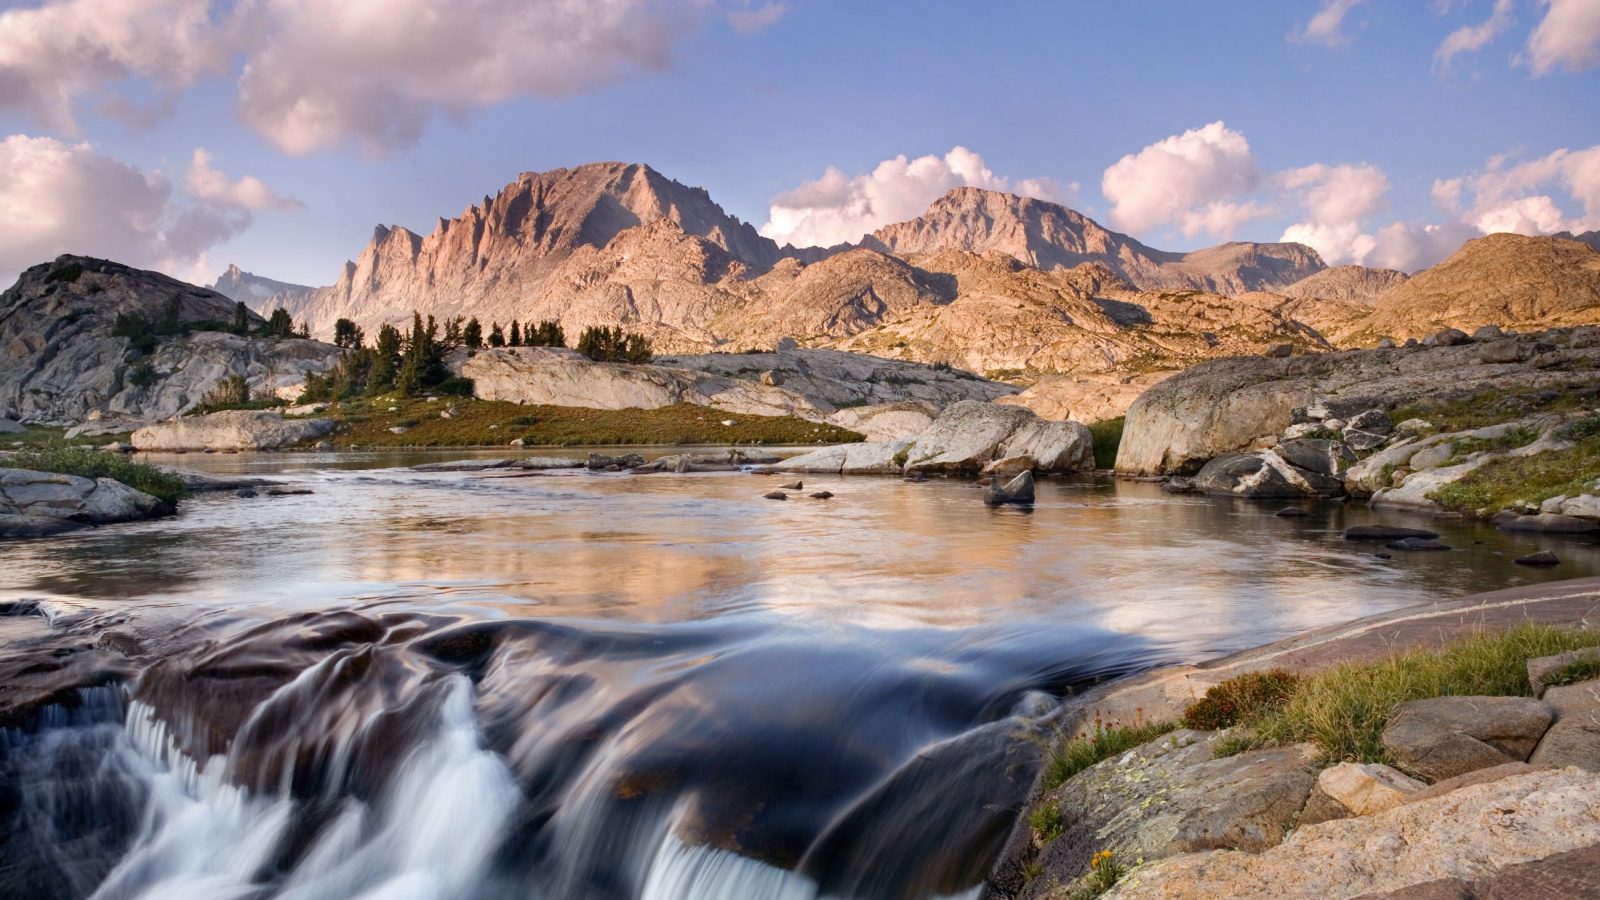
x=579, y=684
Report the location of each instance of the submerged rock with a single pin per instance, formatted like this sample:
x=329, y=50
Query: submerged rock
x=1386, y=533
x=1542, y=558
x=1417, y=543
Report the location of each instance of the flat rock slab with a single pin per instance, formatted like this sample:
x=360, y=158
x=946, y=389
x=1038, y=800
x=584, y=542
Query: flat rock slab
x=1519, y=829
x=1443, y=737
x=1363, y=789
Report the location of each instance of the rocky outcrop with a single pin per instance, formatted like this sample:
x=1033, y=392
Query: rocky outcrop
x=261, y=294
x=1249, y=402
x=40, y=503
x=230, y=430
x=1443, y=737
x=844, y=380
x=966, y=438
x=60, y=362
x=887, y=421
x=1356, y=283
x=1087, y=398
x=1446, y=844
x=555, y=377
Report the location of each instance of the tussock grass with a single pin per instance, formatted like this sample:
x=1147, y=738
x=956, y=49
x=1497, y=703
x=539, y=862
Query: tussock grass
x=88, y=463
x=1343, y=710
x=1107, y=438
x=1499, y=483
x=1070, y=757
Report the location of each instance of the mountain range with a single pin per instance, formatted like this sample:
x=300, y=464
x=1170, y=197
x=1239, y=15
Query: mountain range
x=1000, y=284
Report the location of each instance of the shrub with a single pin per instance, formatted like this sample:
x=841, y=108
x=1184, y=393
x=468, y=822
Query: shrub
x=68, y=272
x=1107, y=438
x=143, y=374
x=1241, y=698
x=1045, y=821
x=1073, y=756
x=86, y=463
x=455, y=386
x=603, y=344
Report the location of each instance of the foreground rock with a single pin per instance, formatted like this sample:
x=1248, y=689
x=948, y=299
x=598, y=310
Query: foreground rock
x=230, y=430
x=1444, y=737
x=964, y=439
x=60, y=363
x=1248, y=403
x=1446, y=846
x=33, y=504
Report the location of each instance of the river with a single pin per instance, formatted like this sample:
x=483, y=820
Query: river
x=591, y=685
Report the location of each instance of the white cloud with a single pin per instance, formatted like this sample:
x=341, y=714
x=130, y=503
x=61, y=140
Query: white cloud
x=1190, y=180
x=751, y=20
x=1410, y=247
x=207, y=183
x=837, y=208
x=1472, y=38
x=58, y=197
x=1327, y=26
x=51, y=54
x=1568, y=37
x=1336, y=200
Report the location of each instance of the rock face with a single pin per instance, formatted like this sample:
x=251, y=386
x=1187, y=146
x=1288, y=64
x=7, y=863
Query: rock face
x=1161, y=799
x=1449, y=844
x=1574, y=739
x=966, y=437
x=230, y=430
x=887, y=421
x=59, y=361
x=39, y=503
x=1247, y=403
x=845, y=380
x=1357, y=283
x=1444, y=737
x=258, y=293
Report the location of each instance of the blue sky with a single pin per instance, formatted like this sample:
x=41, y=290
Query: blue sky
x=1346, y=133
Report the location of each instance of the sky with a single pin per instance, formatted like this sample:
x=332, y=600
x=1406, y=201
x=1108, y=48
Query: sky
x=185, y=135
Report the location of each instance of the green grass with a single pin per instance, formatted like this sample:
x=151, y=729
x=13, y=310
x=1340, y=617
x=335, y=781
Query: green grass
x=491, y=423
x=1045, y=821
x=42, y=436
x=1073, y=756
x=1512, y=439
x=1574, y=672
x=265, y=403
x=87, y=463
x=1499, y=483
x=1343, y=710
x=1466, y=412
x=1107, y=438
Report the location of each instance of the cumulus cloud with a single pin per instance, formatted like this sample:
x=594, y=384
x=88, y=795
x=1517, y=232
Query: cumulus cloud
x=58, y=197
x=1336, y=200
x=1472, y=38
x=1190, y=180
x=1327, y=26
x=752, y=19
x=1568, y=37
x=837, y=208
x=53, y=53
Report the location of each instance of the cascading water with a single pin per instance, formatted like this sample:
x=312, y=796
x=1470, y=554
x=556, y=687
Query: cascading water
x=397, y=756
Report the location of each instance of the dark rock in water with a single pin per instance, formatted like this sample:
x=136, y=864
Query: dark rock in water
x=1386, y=533
x=602, y=462
x=775, y=495
x=822, y=495
x=915, y=478
x=1546, y=523
x=1542, y=558
x=245, y=493
x=1178, y=485
x=792, y=486
x=288, y=492
x=1384, y=555
x=1291, y=512
x=1414, y=543
x=1258, y=476
x=1318, y=455
x=1018, y=491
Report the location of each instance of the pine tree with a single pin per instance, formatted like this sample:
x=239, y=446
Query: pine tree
x=516, y=335
x=241, y=318
x=386, y=358
x=497, y=337
x=347, y=334
x=472, y=335
x=281, y=324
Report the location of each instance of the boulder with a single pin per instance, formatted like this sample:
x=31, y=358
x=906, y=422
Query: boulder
x=1169, y=797
x=887, y=421
x=1541, y=668
x=1443, y=737
x=1362, y=441
x=1017, y=492
x=1264, y=475
x=1323, y=457
x=37, y=503
x=1279, y=351
x=1506, y=838
x=602, y=461
x=241, y=429
x=1488, y=333
x=775, y=495
x=1501, y=351
x=970, y=434
x=1375, y=421
x=1432, y=457
x=1449, y=337
x=1546, y=523
x=1583, y=506
x=869, y=458
x=1386, y=533
x=1364, y=789
x=1574, y=739
x=1542, y=558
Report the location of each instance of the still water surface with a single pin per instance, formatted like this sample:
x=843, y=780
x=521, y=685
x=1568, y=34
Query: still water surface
x=602, y=685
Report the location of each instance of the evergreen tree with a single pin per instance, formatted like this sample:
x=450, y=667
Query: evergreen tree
x=516, y=335
x=472, y=335
x=347, y=334
x=171, y=321
x=281, y=324
x=452, y=332
x=497, y=338
x=241, y=318
x=422, y=364
x=385, y=360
